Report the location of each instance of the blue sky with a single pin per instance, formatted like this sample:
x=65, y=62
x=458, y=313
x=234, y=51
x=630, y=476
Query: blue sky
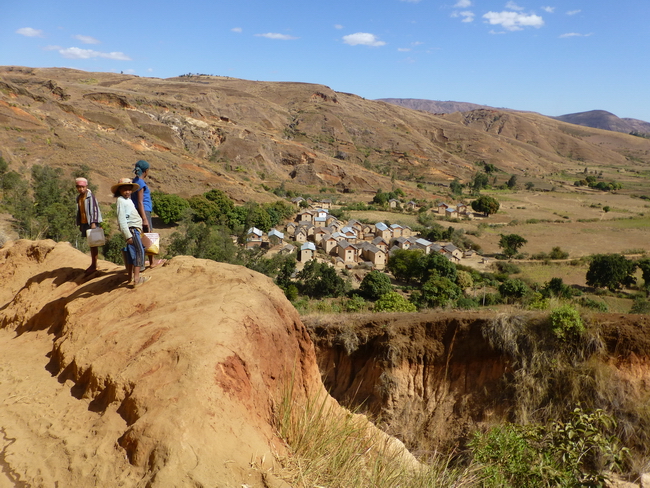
x=549, y=56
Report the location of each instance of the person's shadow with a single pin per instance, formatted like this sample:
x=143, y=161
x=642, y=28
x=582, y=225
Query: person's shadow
x=51, y=316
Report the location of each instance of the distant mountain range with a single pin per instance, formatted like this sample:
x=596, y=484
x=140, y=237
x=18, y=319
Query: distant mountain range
x=598, y=119
x=434, y=106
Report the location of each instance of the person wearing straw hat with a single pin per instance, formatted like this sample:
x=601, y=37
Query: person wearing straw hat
x=130, y=224
x=88, y=217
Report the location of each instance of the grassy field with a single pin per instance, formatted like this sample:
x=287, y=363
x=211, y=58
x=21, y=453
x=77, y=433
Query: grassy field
x=571, y=219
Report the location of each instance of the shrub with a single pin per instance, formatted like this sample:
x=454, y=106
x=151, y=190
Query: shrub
x=572, y=453
x=641, y=305
x=507, y=268
x=466, y=303
x=113, y=248
x=393, y=302
x=566, y=322
x=354, y=304
x=594, y=304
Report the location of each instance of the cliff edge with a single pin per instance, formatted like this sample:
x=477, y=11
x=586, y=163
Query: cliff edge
x=172, y=384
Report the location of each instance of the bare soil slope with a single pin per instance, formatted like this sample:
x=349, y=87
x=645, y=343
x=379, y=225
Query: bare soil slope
x=172, y=384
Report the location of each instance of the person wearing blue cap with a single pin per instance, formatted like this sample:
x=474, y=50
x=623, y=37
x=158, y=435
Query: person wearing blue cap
x=142, y=201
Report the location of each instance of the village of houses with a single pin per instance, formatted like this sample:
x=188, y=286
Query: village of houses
x=353, y=243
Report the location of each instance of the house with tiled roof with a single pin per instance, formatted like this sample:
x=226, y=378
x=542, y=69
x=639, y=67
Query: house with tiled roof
x=346, y=251
x=381, y=243
x=402, y=243
x=328, y=244
x=372, y=254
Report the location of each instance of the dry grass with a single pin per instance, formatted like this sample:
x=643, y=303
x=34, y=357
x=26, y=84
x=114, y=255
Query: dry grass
x=552, y=376
x=335, y=448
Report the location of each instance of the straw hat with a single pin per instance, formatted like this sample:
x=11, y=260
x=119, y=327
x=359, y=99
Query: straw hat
x=125, y=182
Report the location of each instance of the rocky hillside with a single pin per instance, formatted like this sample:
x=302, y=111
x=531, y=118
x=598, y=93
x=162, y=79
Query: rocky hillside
x=202, y=132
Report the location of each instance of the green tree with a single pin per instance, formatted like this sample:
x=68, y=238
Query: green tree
x=557, y=288
x=375, y=284
x=486, y=205
x=222, y=200
x=512, y=182
x=644, y=265
x=204, y=210
x=456, y=187
x=320, y=280
x=511, y=243
x=405, y=264
x=438, y=292
x=513, y=289
x=203, y=241
x=464, y=279
x=393, y=302
x=611, y=271
x=479, y=181
x=435, y=264
x=257, y=216
x=170, y=208
x=380, y=198
x=530, y=185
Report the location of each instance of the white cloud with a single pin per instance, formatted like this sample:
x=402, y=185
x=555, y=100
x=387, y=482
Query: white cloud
x=467, y=16
x=363, y=38
x=574, y=34
x=29, y=32
x=338, y=26
x=275, y=35
x=78, y=53
x=403, y=49
x=237, y=29
x=463, y=4
x=86, y=39
x=573, y=12
x=513, y=6
x=550, y=10
x=513, y=21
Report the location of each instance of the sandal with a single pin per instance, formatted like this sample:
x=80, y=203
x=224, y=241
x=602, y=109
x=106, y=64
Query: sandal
x=160, y=262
